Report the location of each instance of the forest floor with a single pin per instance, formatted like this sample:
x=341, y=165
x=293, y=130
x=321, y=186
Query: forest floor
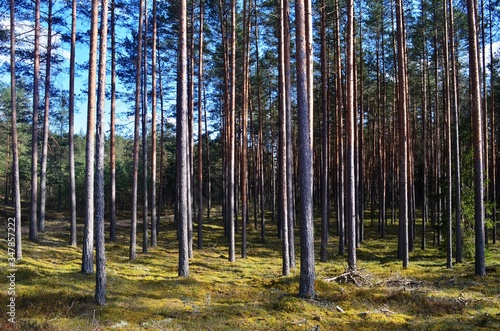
x=249, y=294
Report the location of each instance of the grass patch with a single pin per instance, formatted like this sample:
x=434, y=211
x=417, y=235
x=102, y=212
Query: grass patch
x=249, y=294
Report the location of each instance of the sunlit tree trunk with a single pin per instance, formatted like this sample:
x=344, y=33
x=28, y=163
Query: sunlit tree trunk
x=153, y=128
x=100, y=290
x=72, y=126
x=403, y=135
x=456, y=138
x=244, y=134
x=200, y=121
x=137, y=109
x=477, y=126
x=33, y=234
x=324, y=140
x=15, y=150
x=350, y=141
x=289, y=136
x=305, y=149
x=282, y=161
x=447, y=106
x=112, y=134
x=88, y=230
x=182, y=144
x=232, y=138
x=45, y=146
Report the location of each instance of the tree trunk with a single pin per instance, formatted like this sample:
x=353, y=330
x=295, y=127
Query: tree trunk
x=200, y=136
x=100, y=289
x=325, y=138
x=153, y=129
x=244, y=134
x=403, y=135
x=350, y=141
x=33, y=235
x=477, y=126
x=88, y=231
x=112, y=134
x=15, y=150
x=43, y=176
x=305, y=144
x=73, y=241
x=135, y=175
x=182, y=144
x=231, y=131
x=447, y=106
x=282, y=161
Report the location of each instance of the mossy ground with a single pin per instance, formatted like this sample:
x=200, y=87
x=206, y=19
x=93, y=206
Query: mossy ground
x=249, y=294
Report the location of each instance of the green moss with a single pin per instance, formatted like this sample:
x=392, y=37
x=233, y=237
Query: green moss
x=248, y=294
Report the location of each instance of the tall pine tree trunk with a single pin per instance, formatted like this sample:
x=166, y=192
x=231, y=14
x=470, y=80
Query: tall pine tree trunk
x=43, y=176
x=137, y=109
x=182, y=144
x=15, y=151
x=73, y=241
x=100, y=289
x=305, y=148
x=477, y=126
x=88, y=230
x=112, y=134
x=403, y=135
x=33, y=234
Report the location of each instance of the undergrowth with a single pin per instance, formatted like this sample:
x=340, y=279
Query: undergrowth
x=249, y=294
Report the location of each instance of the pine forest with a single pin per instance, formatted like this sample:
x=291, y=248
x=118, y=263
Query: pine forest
x=249, y=164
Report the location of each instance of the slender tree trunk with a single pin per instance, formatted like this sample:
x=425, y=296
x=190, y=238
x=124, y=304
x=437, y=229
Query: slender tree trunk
x=73, y=241
x=33, y=234
x=200, y=136
x=112, y=134
x=144, y=130
x=305, y=144
x=282, y=162
x=88, y=230
x=15, y=150
x=100, y=290
x=137, y=109
x=182, y=144
x=289, y=136
x=244, y=135
x=477, y=126
x=153, y=129
x=162, y=148
x=324, y=140
x=447, y=106
x=456, y=140
x=493, y=197
x=403, y=135
x=43, y=176
x=350, y=141
x=260, y=154
x=232, y=140
x=340, y=140
x=425, y=206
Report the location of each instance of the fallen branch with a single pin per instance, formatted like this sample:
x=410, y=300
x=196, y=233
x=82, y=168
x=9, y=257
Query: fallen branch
x=350, y=277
